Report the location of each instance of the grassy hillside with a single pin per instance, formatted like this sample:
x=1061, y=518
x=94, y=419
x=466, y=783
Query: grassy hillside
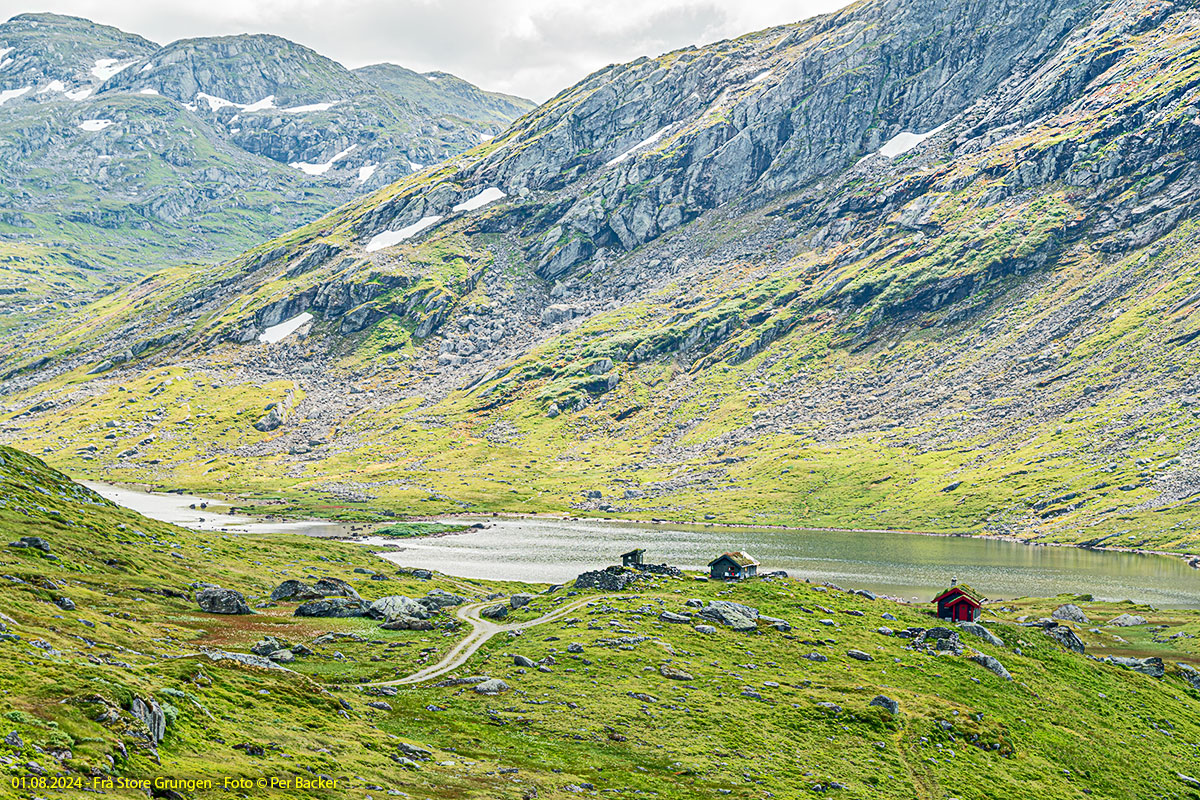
x=765, y=713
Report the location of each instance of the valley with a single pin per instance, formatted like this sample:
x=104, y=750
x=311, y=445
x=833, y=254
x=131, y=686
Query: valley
x=332, y=397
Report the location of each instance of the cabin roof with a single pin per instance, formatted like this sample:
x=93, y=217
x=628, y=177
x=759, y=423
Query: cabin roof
x=634, y=552
x=739, y=557
x=964, y=590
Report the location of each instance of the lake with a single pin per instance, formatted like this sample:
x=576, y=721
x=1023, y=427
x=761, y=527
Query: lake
x=898, y=564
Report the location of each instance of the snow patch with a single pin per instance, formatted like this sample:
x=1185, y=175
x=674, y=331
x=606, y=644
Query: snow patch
x=53, y=86
x=489, y=195
x=486, y=137
x=415, y=167
x=78, y=94
x=217, y=103
x=366, y=171
x=146, y=68
x=389, y=238
x=5, y=51
x=12, y=94
x=95, y=124
x=321, y=169
x=262, y=105
x=148, y=90
x=308, y=108
x=105, y=68
x=649, y=140
x=277, y=333
x=762, y=76
x=904, y=141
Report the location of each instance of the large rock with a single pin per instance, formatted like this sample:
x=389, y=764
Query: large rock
x=492, y=686
x=1152, y=666
x=494, y=612
x=294, y=590
x=332, y=607
x=1190, y=674
x=1066, y=637
x=397, y=605
x=975, y=629
x=222, y=601
x=437, y=600
x=1128, y=621
x=609, y=579
x=1071, y=613
x=990, y=663
x=733, y=615
x=151, y=715
x=886, y=703
x=520, y=600
x=335, y=587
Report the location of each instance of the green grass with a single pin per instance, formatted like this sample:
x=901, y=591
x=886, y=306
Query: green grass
x=1067, y=725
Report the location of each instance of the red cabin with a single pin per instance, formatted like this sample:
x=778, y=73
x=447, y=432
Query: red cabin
x=959, y=603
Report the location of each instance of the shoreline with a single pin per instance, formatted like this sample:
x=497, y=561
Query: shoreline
x=1188, y=558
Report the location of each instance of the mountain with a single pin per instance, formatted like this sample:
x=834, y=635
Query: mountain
x=909, y=265
x=147, y=156
x=113, y=664
x=447, y=92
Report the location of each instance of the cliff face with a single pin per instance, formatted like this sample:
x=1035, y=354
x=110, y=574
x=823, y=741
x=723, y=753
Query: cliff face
x=942, y=250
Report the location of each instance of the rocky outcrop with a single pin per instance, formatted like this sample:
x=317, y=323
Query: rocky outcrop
x=222, y=601
x=332, y=607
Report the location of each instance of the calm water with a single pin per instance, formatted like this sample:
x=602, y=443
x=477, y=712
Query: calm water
x=902, y=565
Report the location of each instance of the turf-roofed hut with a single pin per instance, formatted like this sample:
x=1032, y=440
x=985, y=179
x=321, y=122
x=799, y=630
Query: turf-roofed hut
x=959, y=603
x=733, y=566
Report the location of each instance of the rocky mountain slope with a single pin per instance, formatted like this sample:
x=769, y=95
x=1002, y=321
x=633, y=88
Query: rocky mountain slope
x=120, y=658
x=144, y=156
x=909, y=265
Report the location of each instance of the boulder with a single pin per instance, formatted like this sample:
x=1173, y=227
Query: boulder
x=222, y=601
x=282, y=656
x=860, y=655
x=1190, y=674
x=35, y=542
x=436, y=600
x=707, y=629
x=886, y=703
x=975, y=629
x=990, y=663
x=522, y=661
x=267, y=645
x=335, y=587
x=1152, y=666
x=1071, y=613
x=151, y=715
x=397, y=605
x=1066, y=637
x=674, y=673
x=492, y=686
x=520, y=600
x=732, y=615
x=293, y=590
x=1127, y=621
x=332, y=607
x=65, y=603
x=494, y=612
x=672, y=617
x=406, y=624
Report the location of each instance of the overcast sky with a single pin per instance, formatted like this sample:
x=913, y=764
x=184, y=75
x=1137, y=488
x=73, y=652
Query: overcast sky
x=532, y=48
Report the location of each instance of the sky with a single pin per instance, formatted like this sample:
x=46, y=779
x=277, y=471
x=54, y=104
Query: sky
x=532, y=48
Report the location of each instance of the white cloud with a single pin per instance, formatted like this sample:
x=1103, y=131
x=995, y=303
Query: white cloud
x=528, y=47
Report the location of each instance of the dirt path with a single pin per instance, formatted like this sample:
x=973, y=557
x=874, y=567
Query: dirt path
x=482, y=631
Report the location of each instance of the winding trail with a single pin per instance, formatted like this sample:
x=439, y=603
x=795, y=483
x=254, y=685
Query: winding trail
x=482, y=631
